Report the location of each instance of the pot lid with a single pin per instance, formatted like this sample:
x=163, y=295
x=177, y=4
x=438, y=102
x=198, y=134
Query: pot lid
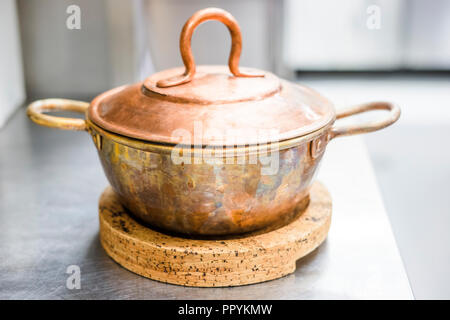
x=211, y=105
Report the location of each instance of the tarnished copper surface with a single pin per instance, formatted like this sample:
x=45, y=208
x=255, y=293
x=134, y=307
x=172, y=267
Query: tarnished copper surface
x=204, y=199
x=37, y=109
x=134, y=130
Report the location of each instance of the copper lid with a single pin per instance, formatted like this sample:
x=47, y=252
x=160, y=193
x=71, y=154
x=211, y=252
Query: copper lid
x=211, y=105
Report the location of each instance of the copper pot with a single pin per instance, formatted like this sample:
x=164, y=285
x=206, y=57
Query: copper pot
x=205, y=151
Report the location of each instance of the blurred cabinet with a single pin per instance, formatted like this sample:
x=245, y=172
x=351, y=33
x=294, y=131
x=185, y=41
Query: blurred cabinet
x=12, y=92
x=343, y=35
x=428, y=38
x=329, y=35
x=108, y=50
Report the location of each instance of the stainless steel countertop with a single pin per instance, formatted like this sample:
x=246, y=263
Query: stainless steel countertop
x=50, y=182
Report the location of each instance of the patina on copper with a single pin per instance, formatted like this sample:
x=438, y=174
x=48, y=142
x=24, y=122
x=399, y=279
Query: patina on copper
x=132, y=128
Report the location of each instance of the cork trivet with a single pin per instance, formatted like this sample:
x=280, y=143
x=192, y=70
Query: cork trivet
x=233, y=261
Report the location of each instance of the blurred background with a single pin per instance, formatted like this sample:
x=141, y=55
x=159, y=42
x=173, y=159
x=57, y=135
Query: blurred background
x=351, y=51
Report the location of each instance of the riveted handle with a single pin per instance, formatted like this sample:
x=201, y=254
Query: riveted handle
x=36, y=110
x=346, y=130
x=186, y=51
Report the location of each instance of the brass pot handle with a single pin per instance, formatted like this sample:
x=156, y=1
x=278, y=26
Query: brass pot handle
x=346, y=130
x=186, y=51
x=36, y=110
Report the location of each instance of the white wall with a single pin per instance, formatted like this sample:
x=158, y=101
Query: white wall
x=12, y=93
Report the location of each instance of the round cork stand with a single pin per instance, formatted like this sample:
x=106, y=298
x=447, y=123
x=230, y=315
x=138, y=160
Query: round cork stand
x=256, y=257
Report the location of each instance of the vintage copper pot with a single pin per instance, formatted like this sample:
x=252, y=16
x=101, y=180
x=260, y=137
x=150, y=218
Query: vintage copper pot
x=183, y=149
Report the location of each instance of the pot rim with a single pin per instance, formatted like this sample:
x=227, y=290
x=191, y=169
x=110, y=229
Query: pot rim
x=326, y=119
x=152, y=146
